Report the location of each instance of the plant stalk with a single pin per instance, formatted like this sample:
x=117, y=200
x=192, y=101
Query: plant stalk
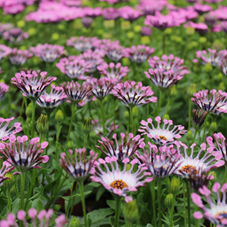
x=117, y=211
x=71, y=120
x=103, y=117
x=189, y=202
x=81, y=187
x=22, y=190
x=159, y=203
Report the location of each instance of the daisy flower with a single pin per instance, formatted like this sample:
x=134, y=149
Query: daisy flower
x=98, y=129
x=19, y=57
x=6, y=167
x=223, y=66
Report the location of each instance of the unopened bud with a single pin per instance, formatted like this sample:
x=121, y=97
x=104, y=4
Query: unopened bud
x=70, y=144
x=192, y=89
x=208, y=68
x=221, y=86
x=169, y=201
x=189, y=136
x=59, y=116
x=29, y=110
x=175, y=185
x=131, y=211
x=87, y=125
x=213, y=127
x=42, y=124
x=126, y=114
x=135, y=111
x=109, y=23
x=74, y=222
x=173, y=90
x=87, y=21
x=166, y=116
x=214, y=176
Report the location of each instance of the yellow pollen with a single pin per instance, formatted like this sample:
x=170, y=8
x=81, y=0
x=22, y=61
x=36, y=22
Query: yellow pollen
x=163, y=138
x=119, y=184
x=188, y=168
x=222, y=216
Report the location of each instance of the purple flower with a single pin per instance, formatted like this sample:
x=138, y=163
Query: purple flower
x=15, y=35
x=223, y=66
x=47, y=52
x=6, y=132
x=128, y=13
x=217, y=211
x=24, y=157
x=164, y=135
x=30, y=84
x=19, y=57
x=215, y=104
x=5, y=27
x=4, y=51
x=87, y=22
x=201, y=28
x=119, y=180
x=199, y=8
x=210, y=19
x=3, y=89
x=110, y=13
x=131, y=93
x=6, y=167
x=78, y=166
x=146, y=31
x=150, y=7
x=92, y=12
x=98, y=129
x=13, y=9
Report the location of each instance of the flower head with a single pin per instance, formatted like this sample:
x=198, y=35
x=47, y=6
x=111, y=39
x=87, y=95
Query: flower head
x=78, y=166
x=53, y=99
x=113, y=71
x=5, y=132
x=43, y=216
x=31, y=84
x=199, y=117
x=223, y=66
x=110, y=13
x=19, y=57
x=3, y=89
x=217, y=211
x=115, y=52
x=131, y=93
x=5, y=27
x=128, y=13
x=126, y=149
x=199, y=8
x=162, y=136
x=47, y=52
x=215, y=104
x=6, y=167
x=98, y=129
x=15, y=35
x=4, y=51
x=24, y=157
x=120, y=181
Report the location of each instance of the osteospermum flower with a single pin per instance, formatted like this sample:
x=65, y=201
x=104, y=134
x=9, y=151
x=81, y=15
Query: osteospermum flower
x=139, y=53
x=3, y=89
x=24, y=156
x=82, y=43
x=166, y=72
x=223, y=66
x=53, y=99
x=120, y=181
x=41, y=219
x=211, y=56
x=218, y=144
x=205, y=162
x=76, y=92
x=199, y=117
x=15, y=35
x=126, y=149
x=164, y=135
x=78, y=166
x=47, y=52
x=98, y=129
x=6, y=167
x=5, y=27
x=113, y=71
x=161, y=162
x=215, y=104
x=31, y=84
x=131, y=93
x=5, y=132
x=19, y=57
x=217, y=211
x=4, y=51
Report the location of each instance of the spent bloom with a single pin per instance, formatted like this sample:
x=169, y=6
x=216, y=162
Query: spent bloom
x=215, y=103
x=125, y=149
x=31, y=84
x=43, y=216
x=19, y=57
x=131, y=93
x=4, y=51
x=15, y=35
x=139, y=53
x=24, y=156
x=217, y=211
x=113, y=71
x=53, y=99
x=164, y=135
x=120, y=181
x=78, y=166
x=5, y=132
x=98, y=129
x=47, y=52
x=3, y=89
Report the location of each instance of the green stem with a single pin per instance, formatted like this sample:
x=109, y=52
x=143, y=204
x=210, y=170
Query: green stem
x=71, y=120
x=225, y=176
x=48, y=111
x=31, y=186
x=22, y=190
x=159, y=101
x=196, y=131
x=163, y=42
x=185, y=219
x=159, y=203
x=152, y=186
x=85, y=139
x=171, y=217
x=9, y=200
x=81, y=187
x=204, y=128
x=130, y=120
x=22, y=107
x=69, y=202
x=103, y=117
x=57, y=139
x=189, y=202
x=117, y=211
x=33, y=118
x=189, y=114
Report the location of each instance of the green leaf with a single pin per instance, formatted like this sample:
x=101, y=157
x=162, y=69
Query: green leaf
x=99, y=214
x=16, y=205
x=111, y=204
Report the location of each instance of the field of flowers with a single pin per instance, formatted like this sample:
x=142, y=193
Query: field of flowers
x=113, y=113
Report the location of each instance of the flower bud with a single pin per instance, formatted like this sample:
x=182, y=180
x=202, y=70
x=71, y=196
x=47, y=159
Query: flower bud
x=87, y=125
x=173, y=90
x=126, y=114
x=221, y=86
x=70, y=144
x=189, y=136
x=208, y=68
x=213, y=173
x=213, y=127
x=125, y=25
x=175, y=185
x=9, y=183
x=42, y=124
x=166, y=116
x=169, y=201
x=135, y=111
x=29, y=110
x=131, y=211
x=59, y=116
x=192, y=89
x=145, y=40
x=203, y=40
x=87, y=21
x=74, y=222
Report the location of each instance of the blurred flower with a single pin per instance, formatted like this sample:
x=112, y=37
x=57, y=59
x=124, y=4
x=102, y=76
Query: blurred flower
x=146, y=31
x=13, y=9
x=210, y=19
x=5, y=132
x=199, y=8
x=216, y=213
x=98, y=129
x=3, y=89
x=215, y=104
x=4, y=51
x=19, y=57
x=128, y=13
x=113, y=71
x=47, y=52
x=120, y=181
x=150, y=7
x=161, y=136
x=24, y=157
x=199, y=117
x=5, y=27
x=87, y=22
x=15, y=35
x=78, y=166
x=110, y=13
x=127, y=148
x=53, y=99
x=92, y=12
x=43, y=216
x=131, y=93
x=201, y=28
x=30, y=84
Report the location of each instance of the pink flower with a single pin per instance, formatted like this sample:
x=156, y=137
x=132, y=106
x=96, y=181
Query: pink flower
x=15, y=35
x=19, y=57
x=223, y=66
x=199, y=27
x=128, y=13
x=98, y=129
x=3, y=89
x=110, y=13
x=199, y=8
x=4, y=51
x=6, y=167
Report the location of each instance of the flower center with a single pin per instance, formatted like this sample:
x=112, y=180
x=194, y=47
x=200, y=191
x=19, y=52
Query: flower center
x=188, y=168
x=119, y=184
x=222, y=216
x=163, y=138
